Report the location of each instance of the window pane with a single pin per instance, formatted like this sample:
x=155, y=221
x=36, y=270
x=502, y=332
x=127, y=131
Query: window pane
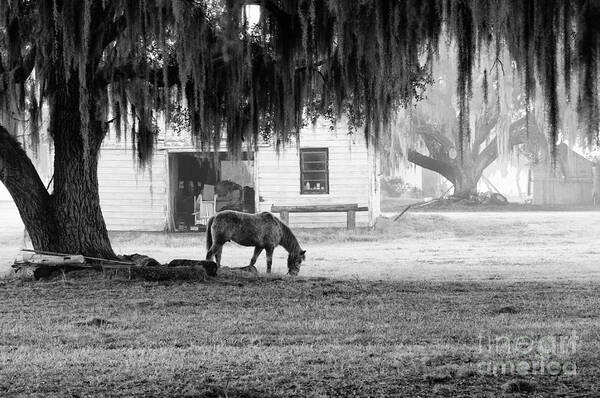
x=314, y=170
x=315, y=186
x=315, y=166
x=314, y=176
x=314, y=156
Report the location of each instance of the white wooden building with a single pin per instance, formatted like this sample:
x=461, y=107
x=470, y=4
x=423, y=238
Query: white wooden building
x=328, y=168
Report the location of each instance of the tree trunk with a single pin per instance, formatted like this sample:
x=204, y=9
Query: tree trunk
x=75, y=200
x=70, y=219
x=465, y=183
x=463, y=176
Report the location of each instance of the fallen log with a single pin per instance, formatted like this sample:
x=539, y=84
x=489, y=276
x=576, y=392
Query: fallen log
x=209, y=266
x=56, y=254
x=139, y=260
x=166, y=273
x=421, y=204
x=136, y=266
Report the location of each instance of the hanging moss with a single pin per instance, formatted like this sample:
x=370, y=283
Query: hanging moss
x=567, y=48
x=362, y=59
x=588, y=51
x=484, y=87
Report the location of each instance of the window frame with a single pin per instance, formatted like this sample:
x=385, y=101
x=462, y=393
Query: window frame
x=303, y=190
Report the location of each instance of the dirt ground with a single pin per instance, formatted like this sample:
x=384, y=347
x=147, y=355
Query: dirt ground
x=458, y=246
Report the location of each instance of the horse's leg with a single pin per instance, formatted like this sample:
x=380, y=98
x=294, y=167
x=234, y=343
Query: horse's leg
x=218, y=256
x=214, y=249
x=269, y=251
x=257, y=251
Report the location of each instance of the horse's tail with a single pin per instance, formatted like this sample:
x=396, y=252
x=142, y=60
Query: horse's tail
x=209, y=240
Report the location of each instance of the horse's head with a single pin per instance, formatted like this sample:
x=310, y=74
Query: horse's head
x=294, y=261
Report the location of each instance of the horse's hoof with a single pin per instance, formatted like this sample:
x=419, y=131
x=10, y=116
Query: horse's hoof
x=250, y=268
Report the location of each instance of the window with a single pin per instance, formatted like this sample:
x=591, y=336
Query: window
x=314, y=170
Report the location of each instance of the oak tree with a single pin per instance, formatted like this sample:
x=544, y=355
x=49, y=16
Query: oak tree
x=91, y=64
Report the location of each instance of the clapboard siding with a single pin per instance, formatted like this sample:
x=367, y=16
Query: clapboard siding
x=279, y=177
x=132, y=199
x=137, y=199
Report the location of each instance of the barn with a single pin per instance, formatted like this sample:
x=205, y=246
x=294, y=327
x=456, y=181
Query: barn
x=570, y=183
x=331, y=179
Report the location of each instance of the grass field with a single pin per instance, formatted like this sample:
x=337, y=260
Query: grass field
x=452, y=304
x=303, y=337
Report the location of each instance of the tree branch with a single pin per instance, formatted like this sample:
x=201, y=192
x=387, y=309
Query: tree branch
x=113, y=30
x=427, y=131
x=108, y=74
x=484, y=130
x=439, y=166
x=15, y=164
x=273, y=9
x=20, y=73
x=137, y=70
x=22, y=181
x=517, y=135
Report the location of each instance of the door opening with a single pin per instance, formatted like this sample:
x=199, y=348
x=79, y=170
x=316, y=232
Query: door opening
x=204, y=183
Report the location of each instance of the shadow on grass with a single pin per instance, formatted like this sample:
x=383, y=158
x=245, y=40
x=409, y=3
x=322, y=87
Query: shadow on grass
x=272, y=335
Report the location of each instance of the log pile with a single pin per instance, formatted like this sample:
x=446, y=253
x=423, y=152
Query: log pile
x=37, y=265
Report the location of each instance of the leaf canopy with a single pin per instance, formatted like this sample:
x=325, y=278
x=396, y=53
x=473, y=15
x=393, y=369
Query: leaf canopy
x=363, y=58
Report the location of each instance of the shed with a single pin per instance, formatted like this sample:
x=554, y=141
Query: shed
x=569, y=183
x=328, y=167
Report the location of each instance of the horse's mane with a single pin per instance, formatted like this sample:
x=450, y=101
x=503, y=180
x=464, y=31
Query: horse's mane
x=288, y=240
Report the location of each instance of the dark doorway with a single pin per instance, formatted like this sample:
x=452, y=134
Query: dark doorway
x=198, y=179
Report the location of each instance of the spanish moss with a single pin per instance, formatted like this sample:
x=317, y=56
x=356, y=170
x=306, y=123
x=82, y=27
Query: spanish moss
x=134, y=61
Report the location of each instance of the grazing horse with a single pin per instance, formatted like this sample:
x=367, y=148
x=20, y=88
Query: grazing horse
x=261, y=230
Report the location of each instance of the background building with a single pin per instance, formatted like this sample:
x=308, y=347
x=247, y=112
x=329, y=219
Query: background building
x=329, y=167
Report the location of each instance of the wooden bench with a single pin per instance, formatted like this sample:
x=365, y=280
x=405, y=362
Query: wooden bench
x=349, y=209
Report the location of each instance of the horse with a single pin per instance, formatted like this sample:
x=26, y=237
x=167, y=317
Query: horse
x=261, y=230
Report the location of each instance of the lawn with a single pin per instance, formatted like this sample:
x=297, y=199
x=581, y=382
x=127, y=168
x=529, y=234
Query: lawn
x=261, y=336
x=276, y=336
x=448, y=304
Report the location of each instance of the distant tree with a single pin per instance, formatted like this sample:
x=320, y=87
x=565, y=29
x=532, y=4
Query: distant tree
x=96, y=63
x=499, y=123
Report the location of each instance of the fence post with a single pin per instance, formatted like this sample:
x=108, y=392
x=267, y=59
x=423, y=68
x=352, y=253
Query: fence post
x=351, y=219
x=285, y=217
